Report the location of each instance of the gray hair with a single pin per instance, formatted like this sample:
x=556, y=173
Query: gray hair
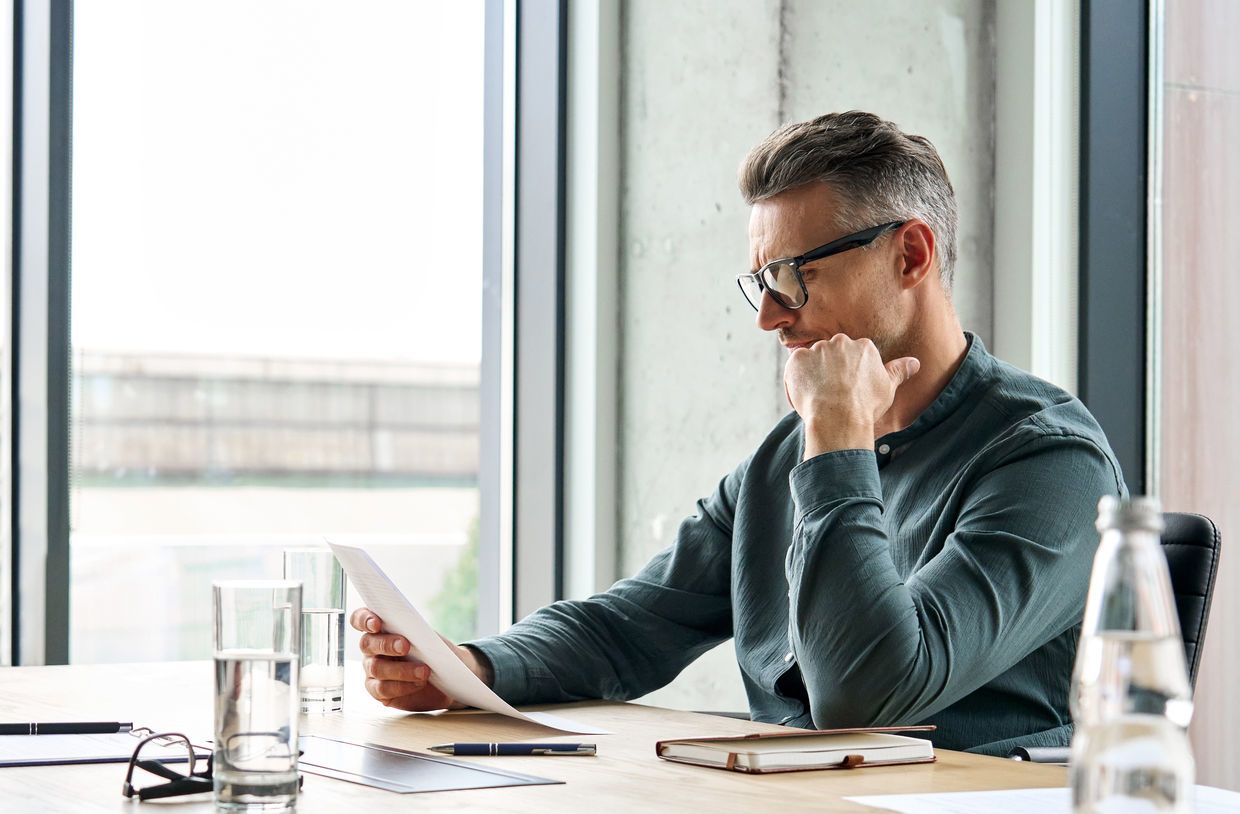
x=879, y=172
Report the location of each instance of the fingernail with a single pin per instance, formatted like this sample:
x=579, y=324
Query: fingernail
x=372, y=624
x=401, y=646
x=422, y=673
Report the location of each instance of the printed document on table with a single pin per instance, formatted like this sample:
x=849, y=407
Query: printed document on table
x=448, y=672
x=1209, y=800
x=114, y=747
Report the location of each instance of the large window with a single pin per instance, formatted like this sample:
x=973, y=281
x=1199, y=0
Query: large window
x=269, y=286
x=277, y=256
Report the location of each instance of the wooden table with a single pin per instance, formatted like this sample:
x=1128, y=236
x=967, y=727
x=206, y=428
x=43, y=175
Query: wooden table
x=626, y=775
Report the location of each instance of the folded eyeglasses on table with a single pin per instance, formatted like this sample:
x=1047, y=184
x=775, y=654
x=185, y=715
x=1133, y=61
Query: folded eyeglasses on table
x=178, y=783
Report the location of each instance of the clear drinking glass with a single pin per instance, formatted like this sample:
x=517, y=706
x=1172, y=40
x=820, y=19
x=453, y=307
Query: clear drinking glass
x=322, y=626
x=257, y=634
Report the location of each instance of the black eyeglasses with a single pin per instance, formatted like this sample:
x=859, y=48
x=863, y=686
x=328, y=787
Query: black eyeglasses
x=187, y=782
x=782, y=278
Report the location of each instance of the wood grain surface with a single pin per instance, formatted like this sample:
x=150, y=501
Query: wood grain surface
x=1197, y=434
x=626, y=775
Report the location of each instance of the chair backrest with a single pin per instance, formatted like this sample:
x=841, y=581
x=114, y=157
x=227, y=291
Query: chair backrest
x=1191, y=543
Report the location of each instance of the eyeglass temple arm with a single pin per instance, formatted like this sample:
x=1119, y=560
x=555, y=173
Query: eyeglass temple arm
x=850, y=242
x=157, y=767
x=186, y=785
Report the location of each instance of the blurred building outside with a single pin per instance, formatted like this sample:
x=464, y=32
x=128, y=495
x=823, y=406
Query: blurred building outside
x=187, y=469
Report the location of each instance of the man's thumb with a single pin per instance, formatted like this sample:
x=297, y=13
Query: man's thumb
x=903, y=369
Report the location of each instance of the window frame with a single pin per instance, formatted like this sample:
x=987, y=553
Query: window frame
x=592, y=295
x=8, y=582
x=1035, y=189
x=539, y=304
x=38, y=361
x=1115, y=272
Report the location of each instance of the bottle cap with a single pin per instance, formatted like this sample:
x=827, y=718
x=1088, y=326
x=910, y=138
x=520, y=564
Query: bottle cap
x=1141, y=513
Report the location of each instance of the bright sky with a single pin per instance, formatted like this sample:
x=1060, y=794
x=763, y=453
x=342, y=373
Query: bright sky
x=286, y=177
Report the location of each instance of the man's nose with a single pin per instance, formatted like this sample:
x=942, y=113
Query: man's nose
x=771, y=315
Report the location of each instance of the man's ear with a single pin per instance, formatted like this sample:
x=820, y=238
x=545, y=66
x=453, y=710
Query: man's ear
x=915, y=240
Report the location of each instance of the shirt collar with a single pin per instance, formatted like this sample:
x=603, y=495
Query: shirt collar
x=974, y=370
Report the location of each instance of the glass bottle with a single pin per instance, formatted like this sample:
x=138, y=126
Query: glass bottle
x=1131, y=700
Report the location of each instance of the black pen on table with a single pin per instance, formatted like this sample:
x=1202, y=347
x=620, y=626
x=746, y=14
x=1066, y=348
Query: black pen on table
x=83, y=728
x=508, y=749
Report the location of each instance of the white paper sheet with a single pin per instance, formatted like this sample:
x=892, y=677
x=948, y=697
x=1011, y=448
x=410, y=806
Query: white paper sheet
x=448, y=672
x=1209, y=800
x=29, y=750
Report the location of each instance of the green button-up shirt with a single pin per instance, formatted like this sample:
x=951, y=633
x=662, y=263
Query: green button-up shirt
x=938, y=578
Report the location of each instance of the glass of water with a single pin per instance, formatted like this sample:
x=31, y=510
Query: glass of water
x=257, y=627
x=322, y=626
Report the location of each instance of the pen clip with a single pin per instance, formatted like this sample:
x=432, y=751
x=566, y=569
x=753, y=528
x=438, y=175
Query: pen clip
x=579, y=749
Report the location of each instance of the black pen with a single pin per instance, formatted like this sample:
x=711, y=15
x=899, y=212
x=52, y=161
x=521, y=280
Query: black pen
x=86, y=728
x=502, y=749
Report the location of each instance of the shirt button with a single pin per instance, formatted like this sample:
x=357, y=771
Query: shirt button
x=789, y=656
x=884, y=449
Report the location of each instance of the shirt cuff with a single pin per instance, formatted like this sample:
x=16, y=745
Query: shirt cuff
x=508, y=670
x=825, y=479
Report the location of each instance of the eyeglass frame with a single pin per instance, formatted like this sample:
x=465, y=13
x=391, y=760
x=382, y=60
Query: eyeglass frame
x=179, y=784
x=191, y=782
x=854, y=241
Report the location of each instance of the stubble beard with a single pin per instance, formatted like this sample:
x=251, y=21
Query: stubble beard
x=893, y=343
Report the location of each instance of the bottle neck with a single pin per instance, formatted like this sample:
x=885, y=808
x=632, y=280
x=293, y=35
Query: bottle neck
x=1130, y=588
x=1133, y=537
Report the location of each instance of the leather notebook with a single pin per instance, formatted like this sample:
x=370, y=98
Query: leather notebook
x=803, y=750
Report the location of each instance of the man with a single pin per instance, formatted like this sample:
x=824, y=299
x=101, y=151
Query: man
x=911, y=544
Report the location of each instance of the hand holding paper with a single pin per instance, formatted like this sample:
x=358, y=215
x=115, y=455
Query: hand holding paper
x=447, y=672
x=395, y=678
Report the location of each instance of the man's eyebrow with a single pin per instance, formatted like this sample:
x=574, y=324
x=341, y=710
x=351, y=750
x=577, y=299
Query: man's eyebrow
x=762, y=265
x=763, y=262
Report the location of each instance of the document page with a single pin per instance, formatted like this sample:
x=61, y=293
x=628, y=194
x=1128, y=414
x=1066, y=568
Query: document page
x=1209, y=800
x=448, y=672
x=35, y=750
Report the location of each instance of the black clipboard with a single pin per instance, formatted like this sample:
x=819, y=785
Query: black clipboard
x=384, y=767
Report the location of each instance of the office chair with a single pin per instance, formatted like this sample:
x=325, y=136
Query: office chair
x=1190, y=542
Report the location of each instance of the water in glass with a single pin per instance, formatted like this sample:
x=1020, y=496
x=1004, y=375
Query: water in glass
x=256, y=750
x=322, y=657
x=322, y=626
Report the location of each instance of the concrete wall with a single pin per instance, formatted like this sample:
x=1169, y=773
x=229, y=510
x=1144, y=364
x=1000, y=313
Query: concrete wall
x=702, y=82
